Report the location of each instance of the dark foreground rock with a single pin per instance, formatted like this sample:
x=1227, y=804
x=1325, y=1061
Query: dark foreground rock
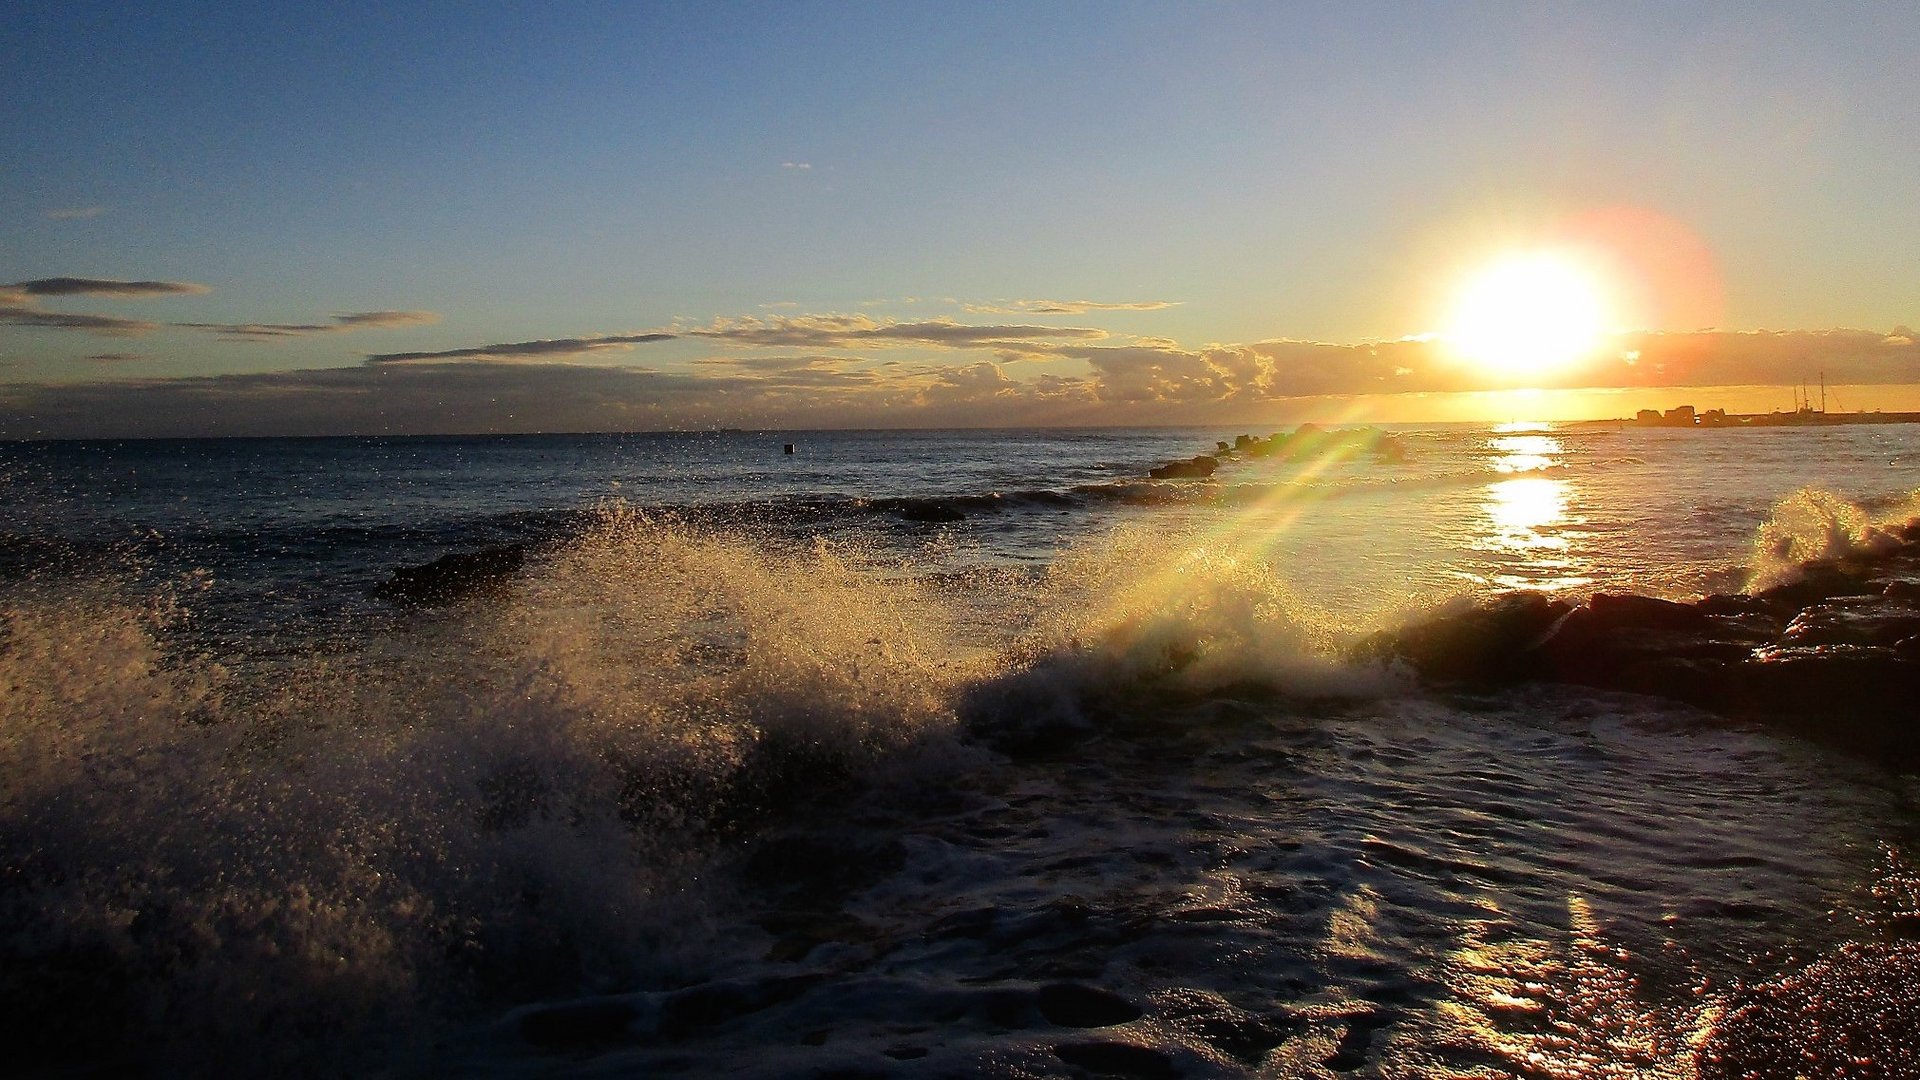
x=1833, y=655
x=453, y=577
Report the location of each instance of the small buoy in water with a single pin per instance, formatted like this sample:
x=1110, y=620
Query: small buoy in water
x=789, y=448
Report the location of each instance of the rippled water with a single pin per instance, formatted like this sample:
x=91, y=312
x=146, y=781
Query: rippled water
x=965, y=753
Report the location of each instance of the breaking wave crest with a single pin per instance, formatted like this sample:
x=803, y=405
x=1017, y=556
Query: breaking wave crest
x=298, y=859
x=1814, y=526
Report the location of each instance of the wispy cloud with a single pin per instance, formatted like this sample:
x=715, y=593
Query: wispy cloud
x=777, y=332
x=115, y=357
x=1064, y=307
x=20, y=303
x=79, y=286
x=550, y=348
x=779, y=363
x=76, y=213
x=839, y=331
x=14, y=313
x=357, y=320
x=796, y=165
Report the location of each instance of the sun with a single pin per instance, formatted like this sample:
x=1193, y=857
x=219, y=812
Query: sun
x=1528, y=313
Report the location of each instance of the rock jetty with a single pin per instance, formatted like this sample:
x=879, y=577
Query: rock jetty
x=1833, y=655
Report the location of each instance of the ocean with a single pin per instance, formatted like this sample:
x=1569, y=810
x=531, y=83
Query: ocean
x=934, y=753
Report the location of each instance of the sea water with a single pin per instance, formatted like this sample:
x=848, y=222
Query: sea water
x=962, y=752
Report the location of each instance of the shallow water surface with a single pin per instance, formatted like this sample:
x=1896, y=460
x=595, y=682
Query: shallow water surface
x=963, y=753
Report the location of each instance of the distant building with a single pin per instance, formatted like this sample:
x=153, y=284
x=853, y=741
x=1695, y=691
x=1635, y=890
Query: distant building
x=1680, y=416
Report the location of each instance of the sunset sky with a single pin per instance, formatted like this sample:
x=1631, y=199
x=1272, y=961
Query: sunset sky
x=489, y=217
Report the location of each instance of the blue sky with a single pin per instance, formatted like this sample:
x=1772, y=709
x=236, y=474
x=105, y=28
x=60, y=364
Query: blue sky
x=1222, y=175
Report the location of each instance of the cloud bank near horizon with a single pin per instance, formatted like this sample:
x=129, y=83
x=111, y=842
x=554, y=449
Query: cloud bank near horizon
x=538, y=386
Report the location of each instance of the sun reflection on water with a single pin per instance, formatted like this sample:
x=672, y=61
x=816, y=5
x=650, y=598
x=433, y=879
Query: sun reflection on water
x=1525, y=453
x=1528, y=519
x=1568, y=1009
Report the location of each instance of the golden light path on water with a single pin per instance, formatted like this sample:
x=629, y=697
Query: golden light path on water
x=1528, y=519
x=1526, y=522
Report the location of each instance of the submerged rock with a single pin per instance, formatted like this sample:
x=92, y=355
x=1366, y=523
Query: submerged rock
x=453, y=576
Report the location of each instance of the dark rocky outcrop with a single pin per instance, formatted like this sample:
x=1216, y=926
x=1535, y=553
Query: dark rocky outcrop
x=452, y=577
x=1194, y=468
x=1833, y=655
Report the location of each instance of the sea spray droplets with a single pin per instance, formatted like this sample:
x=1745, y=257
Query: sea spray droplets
x=297, y=859
x=491, y=803
x=1206, y=610
x=1812, y=525
x=1163, y=612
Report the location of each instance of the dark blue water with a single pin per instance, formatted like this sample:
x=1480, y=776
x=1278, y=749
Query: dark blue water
x=962, y=752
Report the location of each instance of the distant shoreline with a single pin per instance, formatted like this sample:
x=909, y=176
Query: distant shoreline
x=1685, y=417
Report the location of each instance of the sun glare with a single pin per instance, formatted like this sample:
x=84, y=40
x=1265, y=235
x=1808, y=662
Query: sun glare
x=1528, y=314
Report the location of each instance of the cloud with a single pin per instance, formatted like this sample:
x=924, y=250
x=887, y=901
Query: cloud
x=523, y=350
x=796, y=165
x=357, y=320
x=482, y=397
x=778, y=332
x=115, y=357
x=16, y=313
x=841, y=331
x=1273, y=370
x=20, y=303
x=778, y=363
x=76, y=213
x=387, y=318
x=79, y=286
x=1064, y=307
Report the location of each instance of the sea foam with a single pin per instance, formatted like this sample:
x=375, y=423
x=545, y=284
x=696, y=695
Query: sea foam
x=300, y=860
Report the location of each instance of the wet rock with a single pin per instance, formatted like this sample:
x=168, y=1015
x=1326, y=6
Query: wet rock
x=453, y=576
x=1639, y=643
x=1073, y=1005
x=1488, y=642
x=1731, y=605
x=1901, y=589
x=1117, y=1059
x=1833, y=656
x=1195, y=468
x=1863, y=620
x=566, y=1027
x=1818, y=581
x=1620, y=610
